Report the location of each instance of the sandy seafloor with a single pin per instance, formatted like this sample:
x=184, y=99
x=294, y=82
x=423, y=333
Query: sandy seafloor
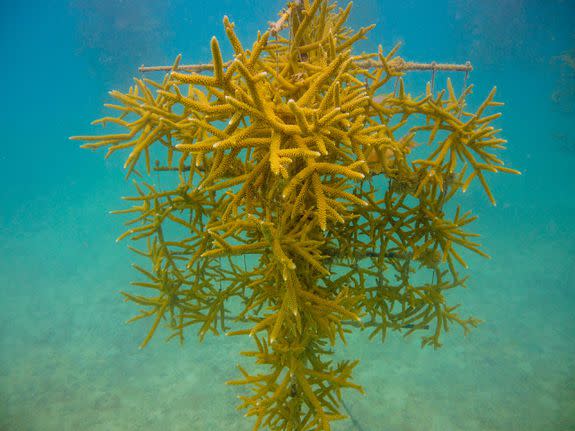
x=68, y=362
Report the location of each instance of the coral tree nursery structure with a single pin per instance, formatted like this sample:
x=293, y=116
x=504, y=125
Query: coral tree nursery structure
x=304, y=193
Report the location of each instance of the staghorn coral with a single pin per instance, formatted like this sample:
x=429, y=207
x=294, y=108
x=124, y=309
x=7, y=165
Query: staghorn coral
x=303, y=204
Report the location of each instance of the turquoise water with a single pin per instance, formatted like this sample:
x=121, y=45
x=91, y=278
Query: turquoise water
x=68, y=362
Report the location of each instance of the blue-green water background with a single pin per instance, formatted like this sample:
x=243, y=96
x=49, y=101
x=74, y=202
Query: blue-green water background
x=68, y=362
